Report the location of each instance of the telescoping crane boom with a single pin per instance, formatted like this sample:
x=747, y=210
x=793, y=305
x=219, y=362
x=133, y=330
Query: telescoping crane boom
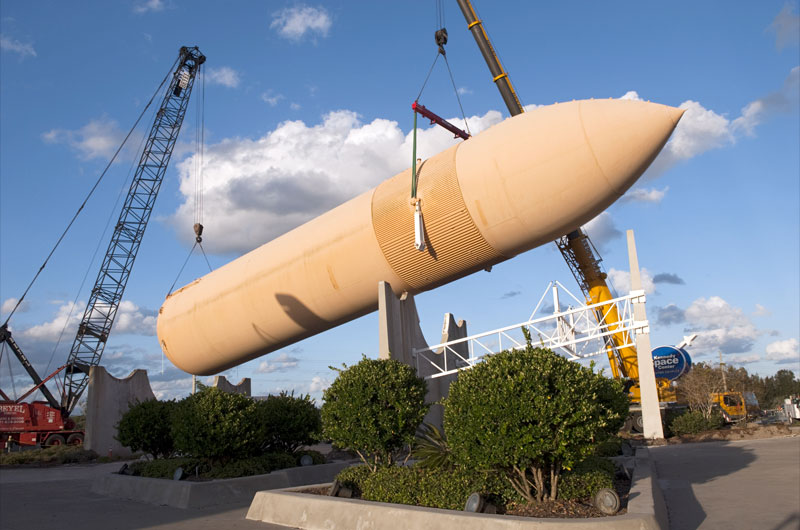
x=575, y=247
x=115, y=270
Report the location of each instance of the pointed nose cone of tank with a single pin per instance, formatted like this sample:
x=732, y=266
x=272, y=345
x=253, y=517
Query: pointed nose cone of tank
x=625, y=136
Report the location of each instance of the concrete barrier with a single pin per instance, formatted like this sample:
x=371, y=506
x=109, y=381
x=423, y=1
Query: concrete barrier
x=187, y=494
x=646, y=511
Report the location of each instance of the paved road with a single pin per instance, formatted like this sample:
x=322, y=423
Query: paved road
x=60, y=497
x=751, y=484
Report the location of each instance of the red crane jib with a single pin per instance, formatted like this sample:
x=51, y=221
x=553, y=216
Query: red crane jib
x=438, y=120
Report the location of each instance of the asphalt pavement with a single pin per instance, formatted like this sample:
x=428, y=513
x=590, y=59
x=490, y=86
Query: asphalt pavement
x=747, y=484
x=61, y=497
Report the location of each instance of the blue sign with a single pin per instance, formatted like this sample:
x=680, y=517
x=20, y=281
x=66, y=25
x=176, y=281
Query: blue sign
x=671, y=362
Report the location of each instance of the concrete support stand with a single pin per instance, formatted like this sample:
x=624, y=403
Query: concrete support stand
x=243, y=387
x=400, y=334
x=651, y=414
x=107, y=400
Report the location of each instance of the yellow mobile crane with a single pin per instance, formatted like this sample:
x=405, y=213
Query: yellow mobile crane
x=584, y=262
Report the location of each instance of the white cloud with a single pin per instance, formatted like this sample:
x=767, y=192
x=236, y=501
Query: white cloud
x=68, y=314
x=602, y=230
x=294, y=23
x=294, y=106
x=271, y=98
x=780, y=101
x=318, y=384
x=743, y=359
x=720, y=326
x=621, y=281
x=649, y=195
x=132, y=320
x=281, y=363
x=464, y=91
x=14, y=46
x=266, y=186
x=784, y=351
x=225, y=76
x=786, y=26
x=149, y=6
x=9, y=303
x=761, y=311
x=99, y=138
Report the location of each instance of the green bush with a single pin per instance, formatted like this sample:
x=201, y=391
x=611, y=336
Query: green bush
x=289, y=421
x=587, y=478
x=147, y=426
x=258, y=465
x=531, y=413
x=694, y=422
x=431, y=449
x=59, y=454
x=434, y=487
x=374, y=408
x=611, y=446
x=218, y=426
x=353, y=477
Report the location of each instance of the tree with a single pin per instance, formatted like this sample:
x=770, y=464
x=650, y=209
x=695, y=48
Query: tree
x=697, y=387
x=146, y=426
x=531, y=414
x=289, y=421
x=374, y=408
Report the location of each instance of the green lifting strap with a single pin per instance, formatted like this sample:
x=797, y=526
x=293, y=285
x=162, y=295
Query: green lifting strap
x=414, y=162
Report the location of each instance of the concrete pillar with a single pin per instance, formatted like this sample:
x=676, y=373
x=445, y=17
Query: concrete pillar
x=651, y=414
x=107, y=400
x=399, y=334
x=243, y=387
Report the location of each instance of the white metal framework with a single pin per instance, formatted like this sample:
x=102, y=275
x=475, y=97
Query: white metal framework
x=578, y=332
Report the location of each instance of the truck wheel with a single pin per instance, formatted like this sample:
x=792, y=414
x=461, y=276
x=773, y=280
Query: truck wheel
x=75, y=438
x=54, y=439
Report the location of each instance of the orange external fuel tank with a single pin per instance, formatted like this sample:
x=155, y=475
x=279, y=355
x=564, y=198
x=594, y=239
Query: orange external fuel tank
x=513, y=187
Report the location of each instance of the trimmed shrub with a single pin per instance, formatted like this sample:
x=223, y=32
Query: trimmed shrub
x=374, y=408
x=353, y=477
x=147, y=426
x=531, y=413
x=694, y=422
x=587, y=478
x=609, y=447
x=58, y=454
x=165, y=468
x=258, y=465
x=434, y=488
x=218, y=426
x=289, y=421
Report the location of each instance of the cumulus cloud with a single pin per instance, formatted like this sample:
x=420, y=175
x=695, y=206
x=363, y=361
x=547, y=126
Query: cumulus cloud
x=720, y=326
x=784, y=351
x=294, y=23
x=148, y=6
x=9, y=304
x=668, y=277
x=786, y=27
x=670, y=314
x=266, y=186
x=743, y=359
x=225, y=76
x=131, y=319
x=318, y=384
x=648, y=195
x=99, y=138
x=621, y=281
x=281, y=363
x=602, y=230
x=761, y=311
x=67, y=315
x=7, y=44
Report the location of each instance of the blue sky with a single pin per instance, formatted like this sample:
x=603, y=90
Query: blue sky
x=307, y=105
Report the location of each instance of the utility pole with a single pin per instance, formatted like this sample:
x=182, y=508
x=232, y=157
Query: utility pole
x=722, y=369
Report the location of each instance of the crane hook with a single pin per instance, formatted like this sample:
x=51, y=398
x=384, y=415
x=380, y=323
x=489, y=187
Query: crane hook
x=441, y=39
x=198, y=231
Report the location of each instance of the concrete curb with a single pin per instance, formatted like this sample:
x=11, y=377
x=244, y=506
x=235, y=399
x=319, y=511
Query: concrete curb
x=646, y=511
x=183, y=494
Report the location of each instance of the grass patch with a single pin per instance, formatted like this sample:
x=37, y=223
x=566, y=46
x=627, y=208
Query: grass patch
x=62, y=454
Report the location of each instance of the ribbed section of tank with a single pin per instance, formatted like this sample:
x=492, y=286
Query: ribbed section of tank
x=513, y=187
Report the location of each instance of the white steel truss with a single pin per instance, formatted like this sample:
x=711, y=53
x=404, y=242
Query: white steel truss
x=578, y=332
